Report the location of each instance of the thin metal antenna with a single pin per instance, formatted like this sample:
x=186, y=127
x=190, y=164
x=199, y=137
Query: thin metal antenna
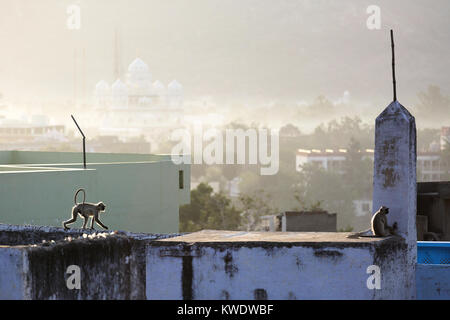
x=84, y=141
x=393, y=65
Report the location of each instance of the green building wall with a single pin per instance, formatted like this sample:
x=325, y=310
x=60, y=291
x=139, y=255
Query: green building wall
x=141, y=192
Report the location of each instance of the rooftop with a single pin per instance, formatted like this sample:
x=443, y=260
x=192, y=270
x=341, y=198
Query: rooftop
x=218, y=236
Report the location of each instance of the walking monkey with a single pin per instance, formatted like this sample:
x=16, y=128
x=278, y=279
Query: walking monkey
x=86, y=210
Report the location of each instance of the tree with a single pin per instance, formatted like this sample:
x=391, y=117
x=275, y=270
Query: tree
x=433, y=101
x=290, y=130
x=357, y=172
x=208, y=211
x=326, y=190
x=253, y=207
x=433, y=105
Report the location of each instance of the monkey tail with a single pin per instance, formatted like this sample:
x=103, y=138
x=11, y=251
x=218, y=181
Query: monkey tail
x=76, y=193
x=360, y=234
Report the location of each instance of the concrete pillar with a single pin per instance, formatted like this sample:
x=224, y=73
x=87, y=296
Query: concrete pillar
x=394, y=182
x=283, y=223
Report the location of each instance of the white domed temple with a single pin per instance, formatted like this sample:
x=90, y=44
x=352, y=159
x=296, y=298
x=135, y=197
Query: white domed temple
x=138, y=91
x=137, y=102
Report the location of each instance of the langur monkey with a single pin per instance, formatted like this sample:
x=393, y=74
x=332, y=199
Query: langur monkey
x=379, y=225
x=86, y=210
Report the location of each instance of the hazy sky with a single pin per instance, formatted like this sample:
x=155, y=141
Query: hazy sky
x=234, y=49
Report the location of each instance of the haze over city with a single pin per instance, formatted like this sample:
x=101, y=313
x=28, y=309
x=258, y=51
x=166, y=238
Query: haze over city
x=224, y=150
x=234, y=51
x=134, y=72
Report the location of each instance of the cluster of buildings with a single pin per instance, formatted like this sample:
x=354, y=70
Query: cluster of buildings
x=31, y=133
x=431, y=166
x=131, y=107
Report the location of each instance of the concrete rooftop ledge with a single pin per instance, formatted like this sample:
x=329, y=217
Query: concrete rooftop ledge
x=219, y=236
x=34, y=262
x=27, y=235
x=212, y=264
x=203, y=265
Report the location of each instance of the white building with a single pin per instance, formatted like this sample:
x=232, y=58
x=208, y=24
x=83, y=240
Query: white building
x=128, y=107
x=328, y=159
x=429, y=168
x=138, y=90
x=429, y=164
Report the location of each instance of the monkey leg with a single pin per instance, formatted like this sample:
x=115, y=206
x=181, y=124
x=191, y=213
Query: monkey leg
x=392, y=231
x=92, y=222
x=85, y=221
x=70, y=221
x=99, y=222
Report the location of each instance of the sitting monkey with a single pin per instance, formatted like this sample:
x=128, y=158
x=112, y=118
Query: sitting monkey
x=86, y=210
x=378, y=225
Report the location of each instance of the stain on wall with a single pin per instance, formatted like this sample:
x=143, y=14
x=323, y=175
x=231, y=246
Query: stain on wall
x=230, y=268
x=110, y=269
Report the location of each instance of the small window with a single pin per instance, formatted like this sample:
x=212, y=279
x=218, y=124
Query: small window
x=181, y=179
x=260, y=294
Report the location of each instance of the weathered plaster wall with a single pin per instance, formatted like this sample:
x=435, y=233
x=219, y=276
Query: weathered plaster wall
x=127, y=265
x=110, y=269
x=394, y=179
x=254, y=270
x=433, y=281
x=34, y=262
x=12, y=286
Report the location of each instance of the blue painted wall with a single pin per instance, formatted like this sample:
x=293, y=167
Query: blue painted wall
x=433, y=281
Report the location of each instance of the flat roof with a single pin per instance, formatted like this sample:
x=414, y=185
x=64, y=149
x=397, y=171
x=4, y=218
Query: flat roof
x=208, y=236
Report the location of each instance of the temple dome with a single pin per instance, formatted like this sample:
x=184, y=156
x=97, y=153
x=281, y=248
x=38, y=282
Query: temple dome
x=175, y=87
x=138, y=66
x=119, y=87
x=102, y=86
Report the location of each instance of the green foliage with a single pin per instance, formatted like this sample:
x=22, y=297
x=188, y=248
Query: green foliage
x=325, y=190
x=253, y=207
x=338, y=133
x=335, y=189
x=208, y=211
x=357, y=172
x=432, y=101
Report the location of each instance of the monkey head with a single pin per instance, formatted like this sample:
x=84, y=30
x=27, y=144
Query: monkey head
x=384, y=210
x=101, y=206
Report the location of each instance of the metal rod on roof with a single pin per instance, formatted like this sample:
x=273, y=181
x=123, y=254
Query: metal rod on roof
x=393, y=66
x=84, y=141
